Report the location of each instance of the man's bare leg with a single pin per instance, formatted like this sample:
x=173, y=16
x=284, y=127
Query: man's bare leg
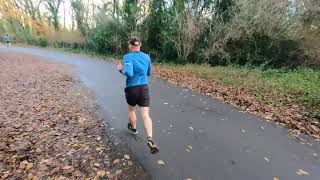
x=146, y=121
x=148, y=127
x=132, y=116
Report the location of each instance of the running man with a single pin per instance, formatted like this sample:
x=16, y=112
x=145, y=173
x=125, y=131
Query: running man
x=7, y=39
x=136, y=66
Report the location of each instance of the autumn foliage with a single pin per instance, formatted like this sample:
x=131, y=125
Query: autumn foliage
x=25, y=26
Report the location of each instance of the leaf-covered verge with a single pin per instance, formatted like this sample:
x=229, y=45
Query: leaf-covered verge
x=50, y=126
x=290, y=98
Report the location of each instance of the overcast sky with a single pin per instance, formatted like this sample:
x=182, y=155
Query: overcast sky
x=66, y=7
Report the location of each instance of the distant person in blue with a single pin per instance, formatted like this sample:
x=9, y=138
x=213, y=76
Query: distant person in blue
x=136, y=66
x=7, y=39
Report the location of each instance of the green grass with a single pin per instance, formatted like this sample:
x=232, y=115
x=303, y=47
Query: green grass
x=301, y=86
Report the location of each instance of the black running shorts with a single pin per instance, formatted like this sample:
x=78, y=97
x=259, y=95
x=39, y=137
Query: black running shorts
x=138, y=95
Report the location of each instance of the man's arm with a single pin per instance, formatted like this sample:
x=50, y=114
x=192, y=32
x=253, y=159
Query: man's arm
x=149, y=72
x=149, y=69
x=127, y=69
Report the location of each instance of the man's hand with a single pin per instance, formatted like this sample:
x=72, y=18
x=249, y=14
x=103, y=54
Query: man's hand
x=119, y=66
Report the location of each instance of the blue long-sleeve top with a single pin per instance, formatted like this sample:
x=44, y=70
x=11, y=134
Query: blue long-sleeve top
x=137, y=68
x=7, y=39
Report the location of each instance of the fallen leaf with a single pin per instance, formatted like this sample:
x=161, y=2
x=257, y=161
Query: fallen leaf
x=23, y=164
x=301, y=172
x=67, y=167
x=29, y=166
x=49, y=162
x=314, y=128
x=13, y=158
x=160, y=162
x=127, y=157
x=101, y=173
x=30, y=176
x=61, y=178
x=99, y=148
x=118, y=172
x=275, y=178
x=5, y=174
x=81, y=120
x=116, y=161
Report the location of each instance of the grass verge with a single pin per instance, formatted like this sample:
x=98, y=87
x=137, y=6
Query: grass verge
x=273, y=86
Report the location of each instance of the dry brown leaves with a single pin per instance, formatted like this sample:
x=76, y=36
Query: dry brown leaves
x=49, y=128
x=289, y=115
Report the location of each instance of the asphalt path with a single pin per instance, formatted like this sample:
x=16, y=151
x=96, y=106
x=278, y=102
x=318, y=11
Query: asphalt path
x=200, y=138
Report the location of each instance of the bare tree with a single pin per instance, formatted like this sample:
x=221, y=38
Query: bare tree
x=30, y=7
x=53, y=7
x=311, y=28
x=116, y=11
x=185, y=34
x=79, y=15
